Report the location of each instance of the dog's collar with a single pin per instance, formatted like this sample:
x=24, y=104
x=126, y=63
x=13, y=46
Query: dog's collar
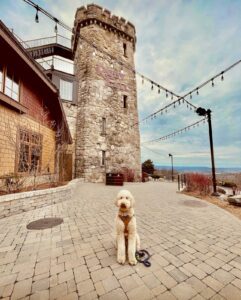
x=123, y=217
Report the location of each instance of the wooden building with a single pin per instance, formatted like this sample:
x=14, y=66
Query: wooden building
x=33, y=126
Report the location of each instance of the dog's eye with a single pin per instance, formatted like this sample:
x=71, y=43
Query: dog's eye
x=127, y=198
x=121, y=197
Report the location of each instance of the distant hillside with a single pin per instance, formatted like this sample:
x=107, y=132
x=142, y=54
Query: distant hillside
x=199, y=169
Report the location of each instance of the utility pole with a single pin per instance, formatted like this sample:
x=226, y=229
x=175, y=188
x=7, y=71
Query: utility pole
x=203, y=112
x=170, y=155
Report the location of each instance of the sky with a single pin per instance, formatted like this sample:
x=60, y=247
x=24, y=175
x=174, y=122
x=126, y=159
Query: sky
x=180, y=44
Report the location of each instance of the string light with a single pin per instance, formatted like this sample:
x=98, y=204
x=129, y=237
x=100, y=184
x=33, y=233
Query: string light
x=36, y=16
x=127, y=66
x=176, y=132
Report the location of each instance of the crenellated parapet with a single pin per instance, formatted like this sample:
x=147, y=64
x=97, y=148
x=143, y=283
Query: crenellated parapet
x=95, y=14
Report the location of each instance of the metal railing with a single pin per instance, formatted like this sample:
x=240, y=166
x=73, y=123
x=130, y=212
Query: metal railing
x=56, y=39
x=51, y=62
x=57, y=64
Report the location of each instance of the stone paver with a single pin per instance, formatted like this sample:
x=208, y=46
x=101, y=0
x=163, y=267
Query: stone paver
x=196, y=251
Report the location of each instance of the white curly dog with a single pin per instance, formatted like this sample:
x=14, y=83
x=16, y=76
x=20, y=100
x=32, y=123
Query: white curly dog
x=126, y=234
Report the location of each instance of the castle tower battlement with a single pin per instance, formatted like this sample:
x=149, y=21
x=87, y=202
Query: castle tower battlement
x=95, y=14
x=106, y=141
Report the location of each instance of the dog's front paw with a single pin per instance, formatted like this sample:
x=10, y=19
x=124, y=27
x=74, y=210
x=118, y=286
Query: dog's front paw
x=133, y=261
x=121, y=260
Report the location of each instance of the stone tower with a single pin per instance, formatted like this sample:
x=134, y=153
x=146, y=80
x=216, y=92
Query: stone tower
x=107, y=101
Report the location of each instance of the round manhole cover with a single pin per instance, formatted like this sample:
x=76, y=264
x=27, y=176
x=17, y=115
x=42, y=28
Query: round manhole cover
x=44, y=223
x=194, y=203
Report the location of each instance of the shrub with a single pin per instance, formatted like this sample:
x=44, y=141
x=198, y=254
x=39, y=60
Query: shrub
x=13, y=182
x=196, y=182
x=129, y=174
x=155, y=176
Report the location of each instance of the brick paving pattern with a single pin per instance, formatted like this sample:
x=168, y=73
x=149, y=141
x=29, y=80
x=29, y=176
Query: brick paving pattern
x=196, y=251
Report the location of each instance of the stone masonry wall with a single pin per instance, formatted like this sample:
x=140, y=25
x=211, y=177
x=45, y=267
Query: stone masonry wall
x=103, y=84
x=13, y=204
x=70, y=110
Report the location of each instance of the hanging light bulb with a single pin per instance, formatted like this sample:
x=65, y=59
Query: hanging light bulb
x=142, y=80
x=183, y=100
x=122, y=71
x=172, y=96
x=159, y=90
x=179, y=102
x=56, y=28
x=212, y=83
x=152, y=86
x=154, y=116
x=36, y=16
x=112, y=65
x=197, y=92
x=166, y=94
x=174, y=106
x=190, y=95
x=222, y=78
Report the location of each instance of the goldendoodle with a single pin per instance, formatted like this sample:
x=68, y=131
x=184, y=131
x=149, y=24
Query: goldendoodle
x=127, y=238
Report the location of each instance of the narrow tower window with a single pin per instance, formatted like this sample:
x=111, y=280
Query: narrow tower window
x=124, y=49
x=103, y=126
x=103, y=158
x=124, y=101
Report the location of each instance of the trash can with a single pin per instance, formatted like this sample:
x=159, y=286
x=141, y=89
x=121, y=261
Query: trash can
x=114, y=179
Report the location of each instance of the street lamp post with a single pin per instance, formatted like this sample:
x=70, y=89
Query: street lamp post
x=203, y=112
x=170, y=155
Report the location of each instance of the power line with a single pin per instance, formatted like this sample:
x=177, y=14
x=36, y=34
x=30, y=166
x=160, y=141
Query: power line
x=165, y=137
x=155, y=152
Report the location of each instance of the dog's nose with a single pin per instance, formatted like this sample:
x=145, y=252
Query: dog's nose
x=123, y=205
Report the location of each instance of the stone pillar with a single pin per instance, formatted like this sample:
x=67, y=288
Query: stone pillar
x=107, y=100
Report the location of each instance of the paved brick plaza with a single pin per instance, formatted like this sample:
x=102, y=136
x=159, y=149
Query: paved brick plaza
x=196, y=250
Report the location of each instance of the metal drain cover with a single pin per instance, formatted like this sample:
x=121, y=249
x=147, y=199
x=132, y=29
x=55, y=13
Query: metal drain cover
x=44, y=223
x=194, y=203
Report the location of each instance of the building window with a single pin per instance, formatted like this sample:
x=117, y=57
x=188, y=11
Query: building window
x=124, y=101
x=102, y=158
x=124, y=49
x=1, y=79
x=11, y=86
x=66, y=90
x=103, y=126
x=30, y=148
